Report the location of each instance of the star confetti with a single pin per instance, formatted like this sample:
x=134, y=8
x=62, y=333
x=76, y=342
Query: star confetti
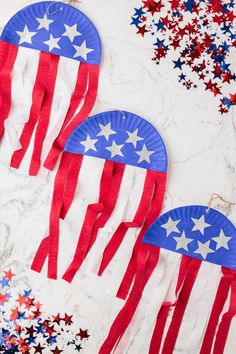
x=26, y=329
x=200, y=38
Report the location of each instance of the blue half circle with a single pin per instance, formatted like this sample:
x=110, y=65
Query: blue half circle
x=196, y=231
x=61, y=16
x=136, y=141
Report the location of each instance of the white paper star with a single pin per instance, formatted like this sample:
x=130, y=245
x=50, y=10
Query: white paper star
x=44, y=22
x=71, y=32
x=53, y=43
x=106, y=131
x=204, y=249
x=82, y=50
x=115, y=149
x=133, y=138
x=89, y=144
x=222, y=240
x=200, y=224
x=25, y=35
x=144, y=154
x=171, y=226
x=182, y=242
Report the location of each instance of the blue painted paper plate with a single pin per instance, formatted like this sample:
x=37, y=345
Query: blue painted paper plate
x=56, y=28
x=122, y=137
x=196, y=231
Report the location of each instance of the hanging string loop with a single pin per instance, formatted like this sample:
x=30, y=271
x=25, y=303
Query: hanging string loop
x=215, y=196
x=51, y=13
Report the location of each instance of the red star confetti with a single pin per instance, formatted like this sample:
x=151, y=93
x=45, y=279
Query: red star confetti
x=8, y=274
x=68, y=320
x=200, y=38
x=83, y=334
x=56, y=351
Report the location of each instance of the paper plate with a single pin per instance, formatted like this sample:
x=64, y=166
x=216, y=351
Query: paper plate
x=198, y=232
x=56, y=28
x=122, y=137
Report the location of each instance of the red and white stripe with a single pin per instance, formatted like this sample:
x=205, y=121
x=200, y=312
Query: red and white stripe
x=189, y=310
x=43, y=98
x=101, y=197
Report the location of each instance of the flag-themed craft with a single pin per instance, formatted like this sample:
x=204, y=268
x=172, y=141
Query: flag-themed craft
x=122, y=159
x=49, y=66
x=200, y=234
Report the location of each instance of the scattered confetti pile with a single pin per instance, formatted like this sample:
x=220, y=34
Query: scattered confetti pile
x=201, y=34
x=25, y=329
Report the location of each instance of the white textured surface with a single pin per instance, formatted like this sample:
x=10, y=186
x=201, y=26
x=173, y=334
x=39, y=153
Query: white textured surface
x=202, y=160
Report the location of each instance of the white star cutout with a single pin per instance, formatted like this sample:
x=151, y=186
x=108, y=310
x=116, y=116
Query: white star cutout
x=106, y=131
x=171, y=226
x=25, y=35
x=71, y=32
x=53, y=43
x=89, y=144
x=115, y=149
x=222, y=240
x=204, y=249
x=133, y=138
x=182, y=242
x=82, y=50
x=144, y=154
x=200, y=224
x=44, y=22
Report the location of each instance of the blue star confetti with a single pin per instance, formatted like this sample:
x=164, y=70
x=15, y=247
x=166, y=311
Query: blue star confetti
x=201, y=37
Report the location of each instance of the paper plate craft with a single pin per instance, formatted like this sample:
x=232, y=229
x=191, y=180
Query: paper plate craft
x=49, y=67
x=200, y=234
x=123, y=160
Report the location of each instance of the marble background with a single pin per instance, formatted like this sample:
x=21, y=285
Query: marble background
x=202, y=160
